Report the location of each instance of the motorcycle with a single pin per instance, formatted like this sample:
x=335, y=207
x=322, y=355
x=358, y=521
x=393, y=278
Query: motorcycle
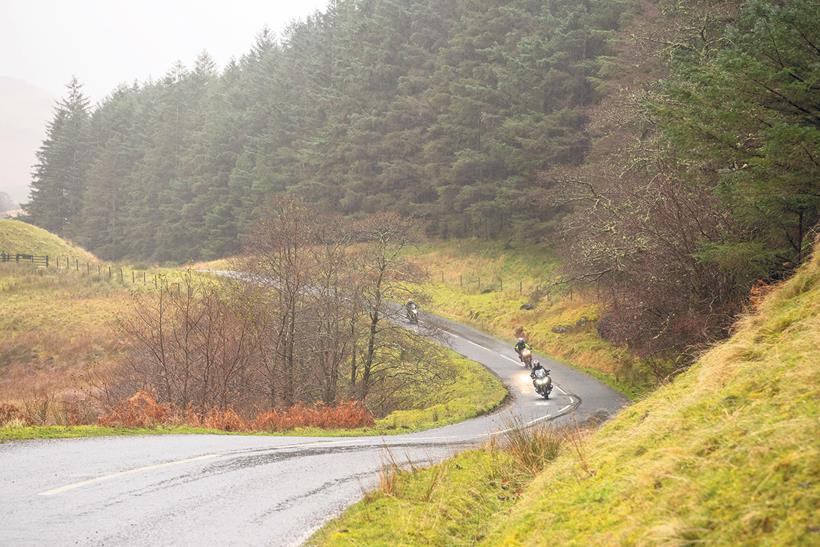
x=526, y=357
x=542, y=382
x=413, y=314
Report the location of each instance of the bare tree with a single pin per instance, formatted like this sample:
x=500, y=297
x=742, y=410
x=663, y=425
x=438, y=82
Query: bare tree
x=279, y=257
x=333, y=301
x=313, y=315
x=383, y=268
x=189, y=346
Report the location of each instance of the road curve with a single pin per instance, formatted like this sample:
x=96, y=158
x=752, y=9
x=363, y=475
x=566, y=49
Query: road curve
x=247, y=490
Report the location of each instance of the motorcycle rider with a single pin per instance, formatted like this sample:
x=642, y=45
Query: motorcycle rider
x=520, y=346
x=541, y=380
x=412, y=309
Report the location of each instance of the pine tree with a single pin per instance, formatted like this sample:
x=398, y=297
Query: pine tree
x=58, y=182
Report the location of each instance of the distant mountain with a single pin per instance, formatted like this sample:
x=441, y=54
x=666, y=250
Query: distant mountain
x=6, y=203
x=24, y=111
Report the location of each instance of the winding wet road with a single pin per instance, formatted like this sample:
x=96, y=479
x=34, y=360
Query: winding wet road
x=246, y=490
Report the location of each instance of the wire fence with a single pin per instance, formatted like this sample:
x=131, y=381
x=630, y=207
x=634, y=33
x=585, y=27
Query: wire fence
x=465, y=282
x=474, y=283
x=97, y=270
x=24, y=258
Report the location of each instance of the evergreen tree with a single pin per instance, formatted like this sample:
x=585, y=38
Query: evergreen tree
x=443, y=110
x=747, y=114
x=58, y=181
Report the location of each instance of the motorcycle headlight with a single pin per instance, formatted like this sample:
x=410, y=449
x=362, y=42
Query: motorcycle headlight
x=541, y=381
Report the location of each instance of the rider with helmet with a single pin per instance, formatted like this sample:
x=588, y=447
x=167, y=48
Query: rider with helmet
x=520, y=346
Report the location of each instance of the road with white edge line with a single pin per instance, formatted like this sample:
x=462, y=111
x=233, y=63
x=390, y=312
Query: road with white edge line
x=250, y=490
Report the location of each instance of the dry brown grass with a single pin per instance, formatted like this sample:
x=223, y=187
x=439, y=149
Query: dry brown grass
x=530, y=447
x=45, y=408
x=346, y=414
x=54, y=330
x=142, y=410
x=388, y=473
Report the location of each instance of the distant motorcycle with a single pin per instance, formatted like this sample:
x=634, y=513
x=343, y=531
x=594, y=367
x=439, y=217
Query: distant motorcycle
x=526, y=357
x=542, y=382
x=413, y=314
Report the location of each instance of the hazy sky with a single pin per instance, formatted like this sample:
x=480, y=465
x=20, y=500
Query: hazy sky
x=106, y=42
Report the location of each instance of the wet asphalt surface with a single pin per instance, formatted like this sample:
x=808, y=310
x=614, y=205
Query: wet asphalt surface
x=246, y=490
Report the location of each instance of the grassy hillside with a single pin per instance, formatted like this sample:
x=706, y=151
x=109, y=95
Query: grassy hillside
x=20, y=237
x=486, y=284
x=54, y=328
x=727, y=454
x=57, y=327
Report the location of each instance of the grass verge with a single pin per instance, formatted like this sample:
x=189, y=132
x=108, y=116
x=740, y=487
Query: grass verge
x=727, y=454
x=58, y=327
x=560, y=323
x=453, y=502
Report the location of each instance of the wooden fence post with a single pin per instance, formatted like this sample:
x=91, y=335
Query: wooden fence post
x=479, y=283
x=143, y=278
x=121, y=275
x=520, y=287
x=132, y=277
x=109, y=272
x=501, y=284
x=46, y=261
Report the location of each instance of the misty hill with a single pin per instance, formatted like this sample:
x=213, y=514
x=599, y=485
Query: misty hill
x=6, y=203
x=24, y=111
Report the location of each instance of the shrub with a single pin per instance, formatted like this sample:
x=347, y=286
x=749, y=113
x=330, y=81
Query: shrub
x=139, y=410
x=226, y=420
x=347, y=414
x=36, y=409
x=142, y=410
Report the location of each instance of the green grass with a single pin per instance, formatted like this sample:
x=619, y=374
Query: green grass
x=454, y=502
x=433, y=506
x=510, y=277
x=476, y=391
x=18, y=433
x=20, y=237
x=727, y=454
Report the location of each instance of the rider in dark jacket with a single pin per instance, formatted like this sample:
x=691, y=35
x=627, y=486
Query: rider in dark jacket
x=521, y=345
